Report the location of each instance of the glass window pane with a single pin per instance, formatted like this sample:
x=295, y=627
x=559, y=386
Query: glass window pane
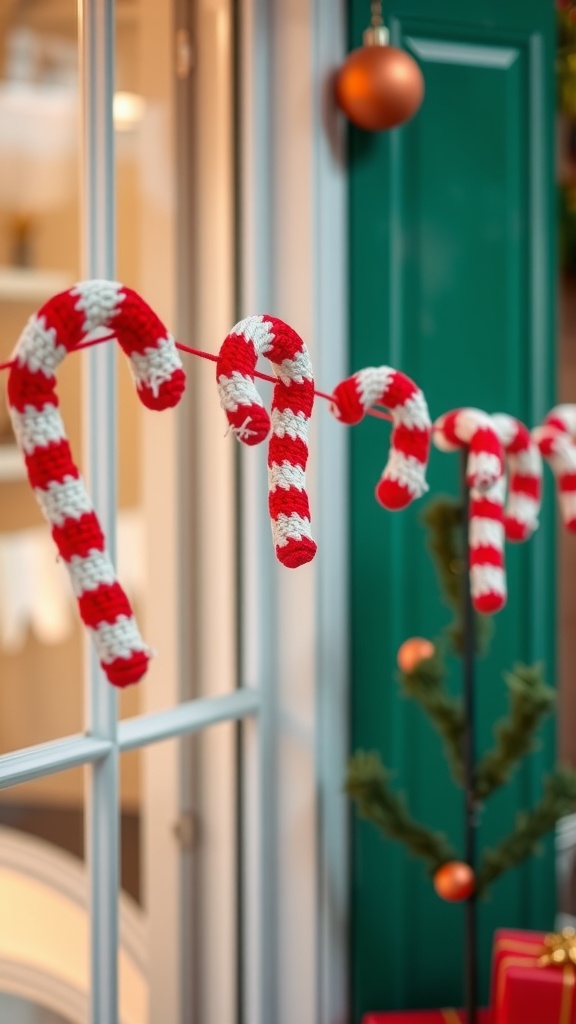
x=16, y=1010
x=44, y=927
x=179, y=868
x=131, y=824
x=50, y=809
x=214, y=865
x=176, y=470
x=40, y=649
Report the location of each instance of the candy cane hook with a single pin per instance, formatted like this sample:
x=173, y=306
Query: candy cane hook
x=473, y=429
x=404, y=476
x=291, y=410
x=55, y=330
x=556, y=439
x=525, y=477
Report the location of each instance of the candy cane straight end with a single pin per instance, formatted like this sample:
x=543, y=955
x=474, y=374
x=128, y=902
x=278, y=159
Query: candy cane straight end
x=489, y=604
x=297, y=553
x=516, y=531
x=126, y=671
x=393, y=495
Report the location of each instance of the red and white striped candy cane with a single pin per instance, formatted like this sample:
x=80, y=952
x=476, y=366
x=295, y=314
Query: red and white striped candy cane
x=291, y=410
x=556, y=439
x=404, y=476
x=473, y=429
x=49, y=335
x=525, y=477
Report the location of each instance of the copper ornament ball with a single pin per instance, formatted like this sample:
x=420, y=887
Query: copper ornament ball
x=412, y=652
x=379, y=86
x=454, y=881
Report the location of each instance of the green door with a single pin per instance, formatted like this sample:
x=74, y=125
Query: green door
x=452, y=281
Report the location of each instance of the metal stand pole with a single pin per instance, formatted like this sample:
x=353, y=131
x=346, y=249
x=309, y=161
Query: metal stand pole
x=468, y=666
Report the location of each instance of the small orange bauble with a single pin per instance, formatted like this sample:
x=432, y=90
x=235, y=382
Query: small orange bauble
x=454, y=881
x=412, y=652
x=379, y=87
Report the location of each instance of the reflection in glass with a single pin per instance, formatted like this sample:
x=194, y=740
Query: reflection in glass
x=45, y=921
x=179, y=861
x=14, y=1010
x=40, y=641
x=50, y=809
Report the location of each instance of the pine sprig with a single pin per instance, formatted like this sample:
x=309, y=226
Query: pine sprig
x=566, y=63
x=425, y=684
x=559, y=799
x=530, y=701
x=368, y=784
x=442, y=518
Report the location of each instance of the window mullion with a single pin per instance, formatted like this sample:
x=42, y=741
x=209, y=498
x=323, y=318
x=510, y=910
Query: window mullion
x=100, y=440
x=48, y=758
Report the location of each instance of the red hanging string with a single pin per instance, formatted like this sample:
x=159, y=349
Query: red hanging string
x=378, y=413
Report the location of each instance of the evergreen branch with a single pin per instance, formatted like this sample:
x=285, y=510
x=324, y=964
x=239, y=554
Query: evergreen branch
x=559, y=799
x=530, y=701
x=367, y=783
x=443, y=520
x=425, y=684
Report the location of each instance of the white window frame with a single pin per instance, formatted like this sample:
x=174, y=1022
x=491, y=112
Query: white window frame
x=292, y=696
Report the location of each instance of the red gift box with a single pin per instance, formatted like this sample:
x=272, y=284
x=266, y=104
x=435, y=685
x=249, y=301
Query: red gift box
x=523, y=991
x=446, y=1016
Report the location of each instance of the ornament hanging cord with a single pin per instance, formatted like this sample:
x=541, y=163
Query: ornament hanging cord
x=378, y=413
x=376, y=19
x=376, y=34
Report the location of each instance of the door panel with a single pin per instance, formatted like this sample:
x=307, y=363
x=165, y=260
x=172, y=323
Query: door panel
x=452, y=281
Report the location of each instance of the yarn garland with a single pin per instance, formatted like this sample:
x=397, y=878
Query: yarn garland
x=61, y=325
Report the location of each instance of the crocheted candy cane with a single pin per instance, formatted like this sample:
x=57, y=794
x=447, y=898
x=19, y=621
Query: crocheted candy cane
x=556, y=440
x=525, y=477
x=473, y=429
x=404, y=477
x=33, y=405
x=291, y=409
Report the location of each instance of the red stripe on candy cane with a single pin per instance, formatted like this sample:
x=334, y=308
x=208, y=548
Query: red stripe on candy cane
x=525, y=477
x=473, y=429
x=58, y=328
x=292, y=404
x=556, y=439
x=404, y=476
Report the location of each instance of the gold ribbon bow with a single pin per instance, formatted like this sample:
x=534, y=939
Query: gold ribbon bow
x=559, y=949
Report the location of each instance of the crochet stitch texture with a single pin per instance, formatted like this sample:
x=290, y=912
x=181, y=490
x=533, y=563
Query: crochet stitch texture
x=57, y=328
x=556, y=441
x=474, y=429
x=404, y=476
x=292, y=404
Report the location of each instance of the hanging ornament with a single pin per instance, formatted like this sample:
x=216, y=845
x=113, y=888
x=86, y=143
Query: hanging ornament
x=379, y=86
x=412, y=652
x=454, y=881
